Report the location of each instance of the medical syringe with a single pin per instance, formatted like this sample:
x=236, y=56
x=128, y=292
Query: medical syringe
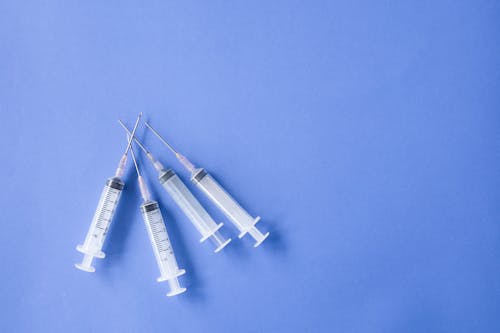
x=215, y=192
x=157, y=232
x=92, y=246
x=191, y=207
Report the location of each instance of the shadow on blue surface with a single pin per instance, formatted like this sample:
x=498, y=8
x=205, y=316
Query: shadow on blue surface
x=276, y=243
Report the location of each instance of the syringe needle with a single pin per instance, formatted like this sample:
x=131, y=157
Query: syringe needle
x=183, y=159
x=121, y=165
x=133, y=132
x=133, y=159
x=135, y=138
x=186, y=201
x=142, y=184
x=158, y=166
x=161, y=138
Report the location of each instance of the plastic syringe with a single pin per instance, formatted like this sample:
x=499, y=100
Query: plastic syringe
x=216, y=193
x=157, y=232
x=191, y=207
x=96, y=235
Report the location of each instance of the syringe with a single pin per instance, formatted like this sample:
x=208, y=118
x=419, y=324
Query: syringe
x=191, y=207
x=157, y=232
x=92, y=246
x=215, y=192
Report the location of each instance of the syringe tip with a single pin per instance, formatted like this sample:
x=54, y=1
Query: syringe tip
x=121, y=166
x=185, y=162
x=143, y=188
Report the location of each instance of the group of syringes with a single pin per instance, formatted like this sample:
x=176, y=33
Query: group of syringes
x=150, y=210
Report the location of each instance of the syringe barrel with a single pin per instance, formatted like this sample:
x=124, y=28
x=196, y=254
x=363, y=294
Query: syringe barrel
x=198, y=216
x=162, y=248
x=103, y=216
x=228, y=205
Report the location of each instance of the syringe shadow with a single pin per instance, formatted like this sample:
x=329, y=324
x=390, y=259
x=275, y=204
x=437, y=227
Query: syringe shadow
x=276, y=242
x=191, y=279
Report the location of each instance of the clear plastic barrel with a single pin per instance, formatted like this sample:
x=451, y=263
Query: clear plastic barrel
x=96, y=235
x=240, y=218
x=198, y=216
x=164, y=254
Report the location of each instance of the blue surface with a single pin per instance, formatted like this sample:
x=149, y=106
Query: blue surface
x=366, y=134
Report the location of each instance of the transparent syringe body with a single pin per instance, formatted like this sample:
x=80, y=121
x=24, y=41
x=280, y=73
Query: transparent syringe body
x=98, y=230
x=162, y=248
x=192, y=208
x=228, y=205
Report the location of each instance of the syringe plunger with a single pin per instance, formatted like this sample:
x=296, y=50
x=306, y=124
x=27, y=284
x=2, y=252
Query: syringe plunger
x=92, y=246
x=86, y=264
x=162, y=248
x=240, y=218
x=198, y=216
x=236, y=214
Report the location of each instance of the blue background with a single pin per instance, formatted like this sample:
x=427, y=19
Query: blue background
x=366, y=135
